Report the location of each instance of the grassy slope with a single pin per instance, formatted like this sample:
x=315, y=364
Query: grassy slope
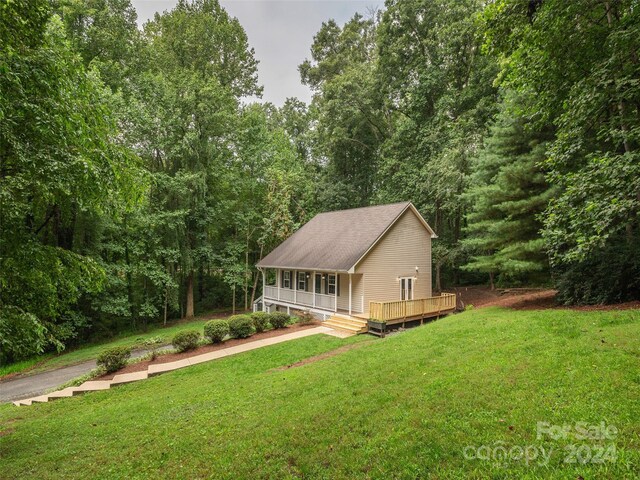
x=402, y=407
x=91, y=351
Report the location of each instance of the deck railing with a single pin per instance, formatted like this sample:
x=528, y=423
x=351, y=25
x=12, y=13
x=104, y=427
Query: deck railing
x=386, y=311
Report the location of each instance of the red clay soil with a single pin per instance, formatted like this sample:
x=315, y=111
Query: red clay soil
x=172, y=357
x=527, y=299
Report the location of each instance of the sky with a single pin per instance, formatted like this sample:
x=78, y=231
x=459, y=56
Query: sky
x=281, y=32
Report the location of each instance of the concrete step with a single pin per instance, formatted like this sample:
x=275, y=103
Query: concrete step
x=129, y=377
x=67, y=392
x=92, y=386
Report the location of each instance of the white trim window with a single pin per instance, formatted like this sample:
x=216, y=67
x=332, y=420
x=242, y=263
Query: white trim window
x=286, y=279
x=331, y=285
x=302, y=281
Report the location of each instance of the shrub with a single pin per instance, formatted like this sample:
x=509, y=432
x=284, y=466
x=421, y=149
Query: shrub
x=305, y=317
x=240, y=326
x=187, y=340
x=113, y=359
x=279, y=319
x=260, y=321
x=153, y=342
x=216, y=330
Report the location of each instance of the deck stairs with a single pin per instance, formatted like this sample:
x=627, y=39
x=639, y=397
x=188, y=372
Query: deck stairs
x=346, y=323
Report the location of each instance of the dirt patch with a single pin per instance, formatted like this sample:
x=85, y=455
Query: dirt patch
x=6, y=432
x=172, y=357
x=322, y=356
x=540, y=300
x=526, y=299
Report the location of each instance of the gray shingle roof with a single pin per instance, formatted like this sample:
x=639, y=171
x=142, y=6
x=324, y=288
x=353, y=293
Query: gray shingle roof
x=335, y=240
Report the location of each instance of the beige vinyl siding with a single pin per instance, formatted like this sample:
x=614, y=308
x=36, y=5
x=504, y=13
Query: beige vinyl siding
x=356, y=291
x=406, y=245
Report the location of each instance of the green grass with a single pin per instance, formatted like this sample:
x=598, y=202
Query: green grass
x=23, y=365
x=401, y=407
x=91, y=351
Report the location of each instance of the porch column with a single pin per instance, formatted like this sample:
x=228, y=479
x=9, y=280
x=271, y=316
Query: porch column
x=335, y=297
x=314, y=287
x=278, y=281
x=295, y=287
x=349, y=294
x=264, y=290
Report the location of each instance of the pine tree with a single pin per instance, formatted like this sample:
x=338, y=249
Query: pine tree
x=508, y=192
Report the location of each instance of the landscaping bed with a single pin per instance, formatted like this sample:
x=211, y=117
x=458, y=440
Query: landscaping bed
x=232, y=342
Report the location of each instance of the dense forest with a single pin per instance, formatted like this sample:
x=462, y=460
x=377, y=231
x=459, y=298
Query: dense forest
x=137, y=183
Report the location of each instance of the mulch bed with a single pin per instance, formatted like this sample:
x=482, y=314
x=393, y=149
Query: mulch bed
x=172, y=357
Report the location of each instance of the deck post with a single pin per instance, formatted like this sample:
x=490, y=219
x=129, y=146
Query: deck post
x=335, y=291
x=349, y=294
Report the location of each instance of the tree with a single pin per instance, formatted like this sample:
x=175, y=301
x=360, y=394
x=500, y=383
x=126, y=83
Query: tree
x=508, y=192
x=349, y=122
x=200, y=65
x=439, y=89
x=58, y=156
x=577, y=64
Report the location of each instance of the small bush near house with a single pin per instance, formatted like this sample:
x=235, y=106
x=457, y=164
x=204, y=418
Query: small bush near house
x=240, y=326
x=187, y=340
x=216, y=330
x=305, y=317
x=279, y=319
x=260, y=321
x=113, y=359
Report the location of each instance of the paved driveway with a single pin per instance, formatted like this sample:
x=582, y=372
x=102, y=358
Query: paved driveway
x=27, y=386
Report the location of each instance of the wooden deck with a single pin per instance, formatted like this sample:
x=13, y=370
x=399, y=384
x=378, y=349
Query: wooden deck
x=393, y=313
x=406, y=310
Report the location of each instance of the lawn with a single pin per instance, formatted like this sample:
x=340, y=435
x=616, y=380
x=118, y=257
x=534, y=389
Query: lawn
x=418, y=404
x=92, y=350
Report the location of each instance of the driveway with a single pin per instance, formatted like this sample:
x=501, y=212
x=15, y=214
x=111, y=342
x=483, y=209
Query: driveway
x=27, y=386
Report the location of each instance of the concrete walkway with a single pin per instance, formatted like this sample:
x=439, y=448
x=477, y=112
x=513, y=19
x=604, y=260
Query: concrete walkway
x=157, y=369
x=39, y=383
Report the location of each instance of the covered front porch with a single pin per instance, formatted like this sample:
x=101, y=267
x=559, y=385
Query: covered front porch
x=319, y=290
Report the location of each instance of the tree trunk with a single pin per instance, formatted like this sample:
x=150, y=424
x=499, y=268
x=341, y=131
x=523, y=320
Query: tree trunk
x=166, y=301
x=493, y=287
x=438, y=284
x=246, y=275
x=233, y=300
x=255, y=282
x=189, y=312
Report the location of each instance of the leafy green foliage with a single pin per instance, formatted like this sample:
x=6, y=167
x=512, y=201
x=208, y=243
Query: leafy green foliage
x=260, y=321
x=508, y=193
x=216, y=330
x=113, y=359
x=241, y=326
x=59, y=160
x=279, y=320
x=21, y=335
x=186, y=340
x=576, y=62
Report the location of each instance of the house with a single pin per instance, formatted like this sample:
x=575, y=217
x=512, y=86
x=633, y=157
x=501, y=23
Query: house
x=351, y=265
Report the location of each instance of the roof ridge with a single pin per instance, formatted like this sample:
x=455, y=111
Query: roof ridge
x=366, y=207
